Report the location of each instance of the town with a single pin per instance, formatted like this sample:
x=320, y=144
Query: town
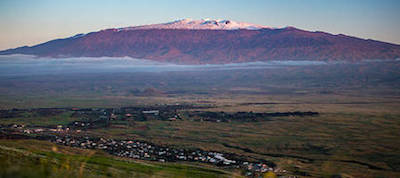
x=137, y=149
x=75, y=133
x=100, y=117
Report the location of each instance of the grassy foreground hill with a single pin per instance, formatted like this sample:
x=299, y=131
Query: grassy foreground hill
x=33, y=158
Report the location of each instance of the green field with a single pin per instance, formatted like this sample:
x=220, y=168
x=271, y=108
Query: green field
x=359, y=140
x=31, y=158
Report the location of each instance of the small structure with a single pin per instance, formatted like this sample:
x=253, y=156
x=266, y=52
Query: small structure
x=38, y=130
x=155, y=112
x=28, y=131
x=113, y=117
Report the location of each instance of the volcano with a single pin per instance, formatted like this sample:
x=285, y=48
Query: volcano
x=210, y=41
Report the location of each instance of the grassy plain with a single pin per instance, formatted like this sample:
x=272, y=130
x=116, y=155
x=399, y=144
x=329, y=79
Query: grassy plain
x=356, y=133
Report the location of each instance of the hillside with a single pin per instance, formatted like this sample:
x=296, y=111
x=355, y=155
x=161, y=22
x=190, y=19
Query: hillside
x=215, y=43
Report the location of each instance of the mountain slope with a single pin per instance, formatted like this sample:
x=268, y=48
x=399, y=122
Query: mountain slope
x=186, y=44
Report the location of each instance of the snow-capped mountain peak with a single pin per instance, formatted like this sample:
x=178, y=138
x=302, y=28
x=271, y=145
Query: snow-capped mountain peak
x=204, y=24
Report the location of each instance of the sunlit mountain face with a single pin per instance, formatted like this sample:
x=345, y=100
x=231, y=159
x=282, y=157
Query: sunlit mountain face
x=213, y=42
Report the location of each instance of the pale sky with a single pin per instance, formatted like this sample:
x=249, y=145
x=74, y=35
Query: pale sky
x=30, y=22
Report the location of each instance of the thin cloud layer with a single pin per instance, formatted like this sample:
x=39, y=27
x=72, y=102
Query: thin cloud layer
x=31, y=65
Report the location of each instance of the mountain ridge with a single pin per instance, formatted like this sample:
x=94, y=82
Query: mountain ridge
x=213, y=46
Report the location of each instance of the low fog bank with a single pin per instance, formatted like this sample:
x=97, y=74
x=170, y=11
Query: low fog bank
x=29, y=76
x=31, y=65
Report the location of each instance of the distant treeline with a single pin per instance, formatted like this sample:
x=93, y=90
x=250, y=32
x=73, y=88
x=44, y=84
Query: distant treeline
x=243, y=116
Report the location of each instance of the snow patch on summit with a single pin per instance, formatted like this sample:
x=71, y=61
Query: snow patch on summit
x=204, y=24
